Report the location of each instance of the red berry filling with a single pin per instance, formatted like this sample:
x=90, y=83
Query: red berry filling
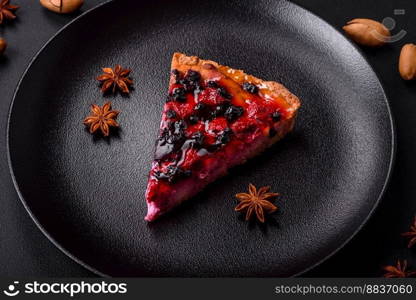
x=202, y=124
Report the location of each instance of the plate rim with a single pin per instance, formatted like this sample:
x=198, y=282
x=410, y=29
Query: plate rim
x=393, y=148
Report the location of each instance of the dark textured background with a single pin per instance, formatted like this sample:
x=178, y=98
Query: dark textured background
x=24, y=251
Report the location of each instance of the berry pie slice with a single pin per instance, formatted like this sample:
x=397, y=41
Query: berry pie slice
x=214, y=118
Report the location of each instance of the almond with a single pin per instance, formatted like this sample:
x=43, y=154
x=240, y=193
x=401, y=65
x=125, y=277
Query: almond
x=367, y=32
x=62, y=6
x=407, y=62
x=3, y=45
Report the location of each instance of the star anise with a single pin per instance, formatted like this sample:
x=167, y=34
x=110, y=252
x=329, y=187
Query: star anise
x=398, y=271
x=256, y=202
x=102, y=118
x=411, y=234
x=115, y=78
x=7, y=10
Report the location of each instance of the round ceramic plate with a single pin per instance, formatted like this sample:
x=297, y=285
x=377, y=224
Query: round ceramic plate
x=87, y=193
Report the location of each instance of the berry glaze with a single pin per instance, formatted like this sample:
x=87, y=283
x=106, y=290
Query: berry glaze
x=208, y=126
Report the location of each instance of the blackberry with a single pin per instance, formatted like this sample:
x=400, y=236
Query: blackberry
x=171, y=114
x=190, y=86
x=200, y=106
x=191, y=81
x=251, y=88
x=193, y=119
x=202, y=111
x=192, y=76
x=223, y=92
x=179, y=94
x=233, y=113
x=212, y=84
x=276, y=116
x=171, y=140
x=224, y=137
x=218, y=111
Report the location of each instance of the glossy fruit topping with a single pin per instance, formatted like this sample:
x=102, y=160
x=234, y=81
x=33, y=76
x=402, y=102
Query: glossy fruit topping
x=204, y=123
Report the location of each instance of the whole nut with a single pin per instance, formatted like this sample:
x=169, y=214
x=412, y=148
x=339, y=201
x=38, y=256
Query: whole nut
x=62, y=6
x=3, y=45
x=367, y=32
x=407, y=62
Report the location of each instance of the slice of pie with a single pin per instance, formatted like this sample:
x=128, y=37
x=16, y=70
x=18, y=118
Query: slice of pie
x=214, y=118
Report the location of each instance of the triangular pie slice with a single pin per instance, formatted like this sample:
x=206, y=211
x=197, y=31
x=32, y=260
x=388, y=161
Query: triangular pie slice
x=214, y=118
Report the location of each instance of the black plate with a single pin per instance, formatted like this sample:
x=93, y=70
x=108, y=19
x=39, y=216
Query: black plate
x=87, y=194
